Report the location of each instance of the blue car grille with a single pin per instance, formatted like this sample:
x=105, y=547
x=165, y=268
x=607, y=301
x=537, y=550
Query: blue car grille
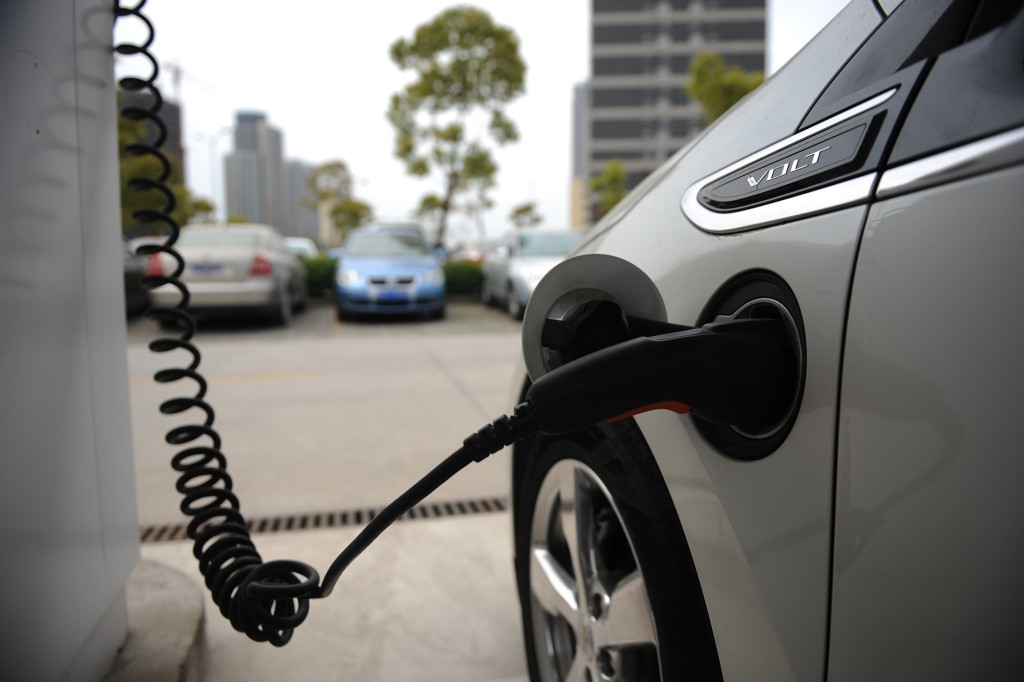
x=405, y=279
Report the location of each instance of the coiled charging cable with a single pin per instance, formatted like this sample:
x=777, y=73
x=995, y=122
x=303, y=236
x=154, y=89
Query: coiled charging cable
x=725, y=372
x=264, y=600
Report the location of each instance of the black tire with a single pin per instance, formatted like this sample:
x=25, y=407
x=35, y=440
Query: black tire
x=485, y=294
x=638, y=556
x=301, y=302
x=513, y=305
x=281, y=313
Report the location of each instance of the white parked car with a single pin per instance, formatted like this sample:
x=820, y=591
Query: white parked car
x=302, y=247
x=518, y=261
x=235, y=268
x=865, y=204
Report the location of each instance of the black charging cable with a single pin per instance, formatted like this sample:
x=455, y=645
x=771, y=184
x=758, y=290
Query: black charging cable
x=264, y=600
x=724, y=372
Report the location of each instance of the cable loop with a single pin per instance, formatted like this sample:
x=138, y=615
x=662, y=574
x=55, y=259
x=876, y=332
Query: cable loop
x=222, y=544
x=264, y=600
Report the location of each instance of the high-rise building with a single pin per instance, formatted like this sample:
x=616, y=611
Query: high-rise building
x=254, y=172
x=641, y=51
x=261, y=186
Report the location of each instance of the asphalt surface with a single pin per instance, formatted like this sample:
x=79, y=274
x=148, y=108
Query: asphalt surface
x=323, y=417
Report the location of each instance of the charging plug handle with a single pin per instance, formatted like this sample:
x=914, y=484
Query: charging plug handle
x=732, y=372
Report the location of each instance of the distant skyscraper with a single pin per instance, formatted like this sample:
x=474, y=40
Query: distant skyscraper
x=254, y=172
x=640, y=57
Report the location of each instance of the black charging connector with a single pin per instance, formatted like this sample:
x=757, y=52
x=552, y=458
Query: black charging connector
x=731, y=372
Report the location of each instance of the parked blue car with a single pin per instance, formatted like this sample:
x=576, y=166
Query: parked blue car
x=389, y=270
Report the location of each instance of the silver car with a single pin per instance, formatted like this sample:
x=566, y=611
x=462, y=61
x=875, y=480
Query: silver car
x=518, y=261
x=235, y=268
x=863, y=210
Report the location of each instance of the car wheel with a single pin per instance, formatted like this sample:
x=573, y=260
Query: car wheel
x=282, y=313
x=513, y=305
x=302, y=300
x=607, y=585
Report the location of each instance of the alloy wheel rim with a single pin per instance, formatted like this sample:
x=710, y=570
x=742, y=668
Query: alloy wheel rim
x=591, y=615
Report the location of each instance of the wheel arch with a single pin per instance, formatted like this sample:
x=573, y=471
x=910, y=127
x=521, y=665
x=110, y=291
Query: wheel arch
x=702, y=653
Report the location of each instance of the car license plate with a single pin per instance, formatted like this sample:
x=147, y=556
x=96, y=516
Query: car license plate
x=206, y=269
x=392, y=296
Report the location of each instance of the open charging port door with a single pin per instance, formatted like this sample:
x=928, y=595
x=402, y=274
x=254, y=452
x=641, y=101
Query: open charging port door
x=597, y=346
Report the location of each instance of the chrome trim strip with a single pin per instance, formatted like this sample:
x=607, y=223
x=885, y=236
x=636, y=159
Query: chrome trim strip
x=970, y=159
x=848, y=192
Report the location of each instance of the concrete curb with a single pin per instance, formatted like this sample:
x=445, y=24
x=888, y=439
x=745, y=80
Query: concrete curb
x=165, y=627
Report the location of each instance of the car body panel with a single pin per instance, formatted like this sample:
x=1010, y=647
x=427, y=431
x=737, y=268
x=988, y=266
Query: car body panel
x=766, y=555
x=762, y=529
x=914, y=539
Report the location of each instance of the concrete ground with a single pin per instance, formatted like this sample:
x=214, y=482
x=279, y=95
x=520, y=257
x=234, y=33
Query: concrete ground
x=431, y=600
x=327, y=416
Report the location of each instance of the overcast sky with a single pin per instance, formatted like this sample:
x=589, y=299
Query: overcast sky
x=320, y=71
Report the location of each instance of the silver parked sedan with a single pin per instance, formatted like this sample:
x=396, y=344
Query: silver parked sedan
x=856, y=224
x=513, y=267
x=235, y=268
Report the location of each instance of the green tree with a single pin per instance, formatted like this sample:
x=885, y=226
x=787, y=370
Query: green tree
x=350, y=212
x=188, y=207
x=610, y=185
x=525, y=215
x=716, y=87
x=467, y=69
x=429, y=208
x=201, y=209
x=331, y=183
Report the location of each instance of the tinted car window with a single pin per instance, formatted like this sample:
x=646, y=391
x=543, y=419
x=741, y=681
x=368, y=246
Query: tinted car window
x=917, y=30
x=548, y=244
x=385, y=244
x=225, y=238
x=972, y=91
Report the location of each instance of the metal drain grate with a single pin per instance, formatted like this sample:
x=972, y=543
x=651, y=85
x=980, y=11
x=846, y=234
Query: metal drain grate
x=337, y=519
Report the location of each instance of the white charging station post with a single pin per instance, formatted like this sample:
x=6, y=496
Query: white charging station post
x=68, y=523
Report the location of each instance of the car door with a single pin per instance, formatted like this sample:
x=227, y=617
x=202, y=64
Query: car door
x=928, y=551
x=774, y=200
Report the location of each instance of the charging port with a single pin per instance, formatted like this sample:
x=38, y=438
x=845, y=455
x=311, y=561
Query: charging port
x=760, y=295
x=600, y=348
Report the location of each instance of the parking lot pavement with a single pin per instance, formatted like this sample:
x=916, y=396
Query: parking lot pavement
x=431, y=600
x=325, y=416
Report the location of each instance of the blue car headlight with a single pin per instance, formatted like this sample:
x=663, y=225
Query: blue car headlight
x=435, y=276
x=349, y=276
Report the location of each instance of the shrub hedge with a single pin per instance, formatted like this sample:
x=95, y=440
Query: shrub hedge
x=319, y=273
x=462, y=277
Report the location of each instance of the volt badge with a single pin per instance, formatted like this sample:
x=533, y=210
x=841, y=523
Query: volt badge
x=808, y=165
